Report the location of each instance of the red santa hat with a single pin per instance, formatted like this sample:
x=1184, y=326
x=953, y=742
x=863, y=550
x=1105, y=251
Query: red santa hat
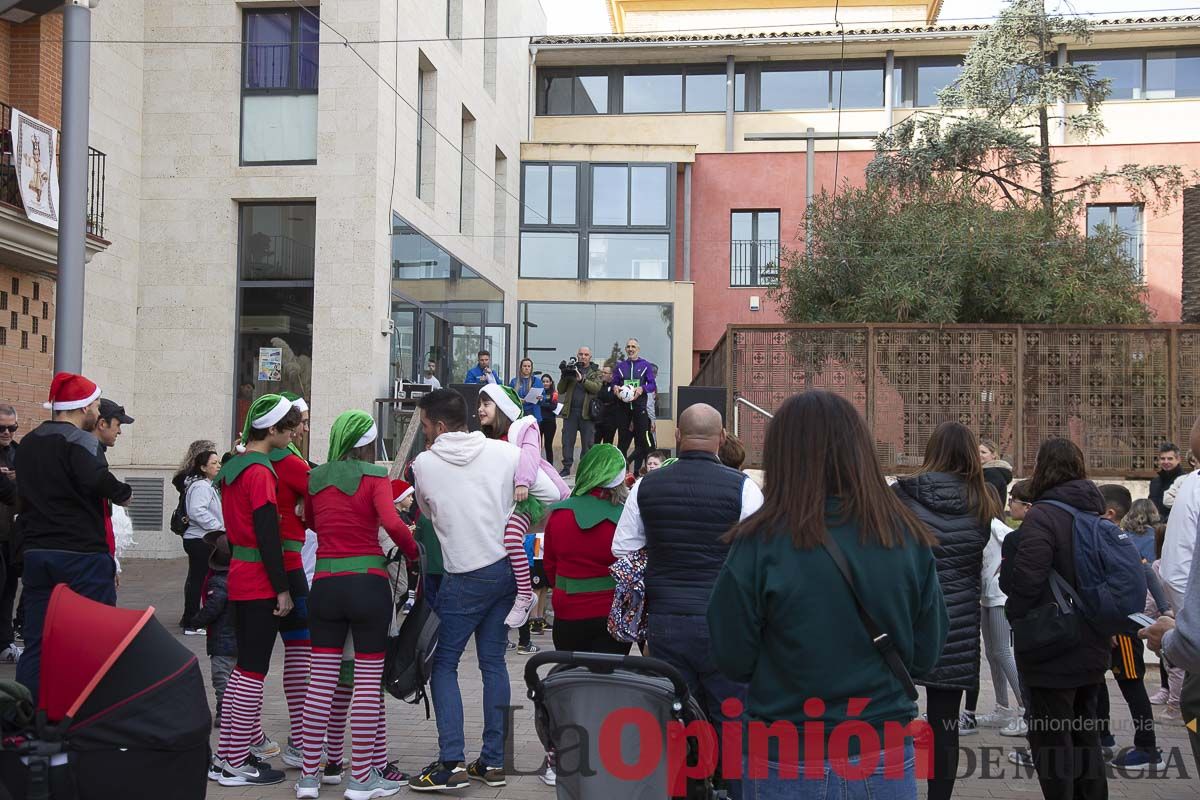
x=400, y=490
x=69, y=391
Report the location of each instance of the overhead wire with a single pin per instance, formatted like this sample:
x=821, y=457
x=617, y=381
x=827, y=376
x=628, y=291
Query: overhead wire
x=758, y=30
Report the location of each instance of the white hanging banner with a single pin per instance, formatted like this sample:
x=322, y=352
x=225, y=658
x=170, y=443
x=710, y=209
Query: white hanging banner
x=34, y=147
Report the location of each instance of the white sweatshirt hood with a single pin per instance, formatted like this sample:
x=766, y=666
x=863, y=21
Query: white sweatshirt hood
x=459, y=448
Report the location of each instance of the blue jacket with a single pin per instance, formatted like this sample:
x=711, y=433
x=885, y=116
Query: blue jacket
x=522, y=386
x=475, y=375
x=217, y=615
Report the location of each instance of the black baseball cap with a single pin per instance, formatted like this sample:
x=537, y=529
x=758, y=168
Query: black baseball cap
x=111, y=410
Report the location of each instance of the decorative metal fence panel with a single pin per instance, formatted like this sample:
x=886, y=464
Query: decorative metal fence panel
x=1117, y=392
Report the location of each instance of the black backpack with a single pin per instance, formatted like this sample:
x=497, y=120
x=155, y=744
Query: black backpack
x=409, y=660
x=179, y=517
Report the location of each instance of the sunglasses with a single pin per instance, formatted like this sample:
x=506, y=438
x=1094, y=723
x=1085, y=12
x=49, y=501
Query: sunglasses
x=8, y=428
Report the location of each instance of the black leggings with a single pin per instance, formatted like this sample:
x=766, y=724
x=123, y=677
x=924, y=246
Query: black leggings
x=548, y=428
x=942, y=708
x=360, y=604
x=197, y=551
x=635, y=425
x=587, y=636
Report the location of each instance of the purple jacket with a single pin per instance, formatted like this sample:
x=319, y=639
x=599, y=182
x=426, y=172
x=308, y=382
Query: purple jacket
x=639, y=370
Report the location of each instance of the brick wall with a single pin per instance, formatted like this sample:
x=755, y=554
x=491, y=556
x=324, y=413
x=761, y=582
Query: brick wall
x=35, y=68
x=5, y=59
x=26, y=342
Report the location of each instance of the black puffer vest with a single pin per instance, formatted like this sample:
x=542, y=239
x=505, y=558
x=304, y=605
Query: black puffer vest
x=686, y=509
x=940, y=501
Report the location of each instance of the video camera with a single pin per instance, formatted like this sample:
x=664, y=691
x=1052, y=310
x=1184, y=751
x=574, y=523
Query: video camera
x=568, y=366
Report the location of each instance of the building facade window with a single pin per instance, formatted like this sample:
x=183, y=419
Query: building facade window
x=551, y=332
x=816, y=85
x=280, y=69
x=1126, y=218
x=754, y=248
x=276, y=265
x=426, y=149
x=663, y=89
x=597, y=221
x=918, y=81
x=466, y=175
x=1145, y=74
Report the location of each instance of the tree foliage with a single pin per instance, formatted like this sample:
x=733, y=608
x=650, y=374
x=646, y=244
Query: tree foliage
x=947, y=253
x=966, y=217
x=993, y=123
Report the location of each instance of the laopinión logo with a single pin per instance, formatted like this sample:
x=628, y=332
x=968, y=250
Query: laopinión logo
x=854, y=749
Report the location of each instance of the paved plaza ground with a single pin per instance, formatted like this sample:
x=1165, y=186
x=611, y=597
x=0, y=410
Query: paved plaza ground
x=414, y=739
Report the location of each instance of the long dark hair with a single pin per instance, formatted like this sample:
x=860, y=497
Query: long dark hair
x=954, y=449
x=1058, y=461
x=499, y=428
x=199, y=461
x=818, y=447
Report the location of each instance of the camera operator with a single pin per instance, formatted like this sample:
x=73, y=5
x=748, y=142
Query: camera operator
x=577, y=388
x=638, y=373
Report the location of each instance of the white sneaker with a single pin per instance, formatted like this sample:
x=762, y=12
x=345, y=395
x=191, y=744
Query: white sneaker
x=214, y=769
x=292, y=756
x=265, y=749
x=548, y=777
x=1015, y=727
x=374, y=786
x=308, y=788
x=194, y=632
x=520, y=611
x=997, y=719
x=1160, y=697
x=11, y=654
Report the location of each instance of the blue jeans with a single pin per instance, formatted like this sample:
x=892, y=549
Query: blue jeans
x=432, y=584
x=833, y=786
x=92, y=575
x=473, y=603
x=681, y=640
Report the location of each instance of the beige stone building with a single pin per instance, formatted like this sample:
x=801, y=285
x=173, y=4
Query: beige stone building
x=279, y=218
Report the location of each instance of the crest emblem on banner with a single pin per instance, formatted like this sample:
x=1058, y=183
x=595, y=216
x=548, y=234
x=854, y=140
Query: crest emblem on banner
x=35, y=147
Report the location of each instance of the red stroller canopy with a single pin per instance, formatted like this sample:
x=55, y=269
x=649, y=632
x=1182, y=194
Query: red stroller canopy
x=81, y=641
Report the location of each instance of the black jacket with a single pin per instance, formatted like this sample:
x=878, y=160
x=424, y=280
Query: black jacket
x=1158, y=487
x=686, y=509
x=62, y=481
x=216, y=615
x=8, y=493
x=940, y=501
x=1045, y=541
x=610, y=408
x=999, y=475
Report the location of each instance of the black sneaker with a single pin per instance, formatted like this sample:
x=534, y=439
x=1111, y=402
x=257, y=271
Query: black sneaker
x=565, y=472
x=492, y=776
x=439, y=777
x=331, y=775
x=537, y=626
x=252, y=773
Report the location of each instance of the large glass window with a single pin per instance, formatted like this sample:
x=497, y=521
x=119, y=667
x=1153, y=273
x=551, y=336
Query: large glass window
x=572, y=92
x=858, y=86
x=549, y=254
x=609, y=221
x=1126, y=218
x=550, y=194
x=275, y=302
x=917, y=81
x=279, y=85
x=705, y=91
x=784, y=89
x=1146, y=74
x=629, y=256
x=648, y=94
x=556, y=330
x=754, y=248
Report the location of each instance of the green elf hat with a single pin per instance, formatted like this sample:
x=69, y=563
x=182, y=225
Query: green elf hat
x=264, y=412
x=351, y=429
x=603, y=467
x=505, y=399
x=297, y=401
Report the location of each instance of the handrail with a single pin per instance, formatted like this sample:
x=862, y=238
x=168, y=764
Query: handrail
x=745, y=402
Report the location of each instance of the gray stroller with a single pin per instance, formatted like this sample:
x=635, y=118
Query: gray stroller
x=572, y=702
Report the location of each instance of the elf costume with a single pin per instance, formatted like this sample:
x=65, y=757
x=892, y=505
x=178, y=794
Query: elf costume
x=578, y=553
x=257, y=576
x=523, y=431
x=350, y=500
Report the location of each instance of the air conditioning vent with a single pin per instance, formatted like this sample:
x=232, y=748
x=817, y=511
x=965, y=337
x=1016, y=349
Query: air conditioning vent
x=146, y=506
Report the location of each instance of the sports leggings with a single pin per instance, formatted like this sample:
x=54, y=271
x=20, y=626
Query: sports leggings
x=942, y=708
x=360, y=604
x=255, y=626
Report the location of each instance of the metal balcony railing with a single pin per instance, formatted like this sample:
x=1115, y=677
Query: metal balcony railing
x=10, y=192
x=753, y=262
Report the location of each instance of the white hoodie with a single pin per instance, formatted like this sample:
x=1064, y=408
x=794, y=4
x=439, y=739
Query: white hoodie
x=464, y=483
x=1180, y=542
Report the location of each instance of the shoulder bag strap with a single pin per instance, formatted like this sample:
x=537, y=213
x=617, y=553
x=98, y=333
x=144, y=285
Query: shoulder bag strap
x=882, y=641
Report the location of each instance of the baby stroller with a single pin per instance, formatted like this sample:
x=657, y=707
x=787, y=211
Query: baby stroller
x=122, y=711
x=572, y=702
